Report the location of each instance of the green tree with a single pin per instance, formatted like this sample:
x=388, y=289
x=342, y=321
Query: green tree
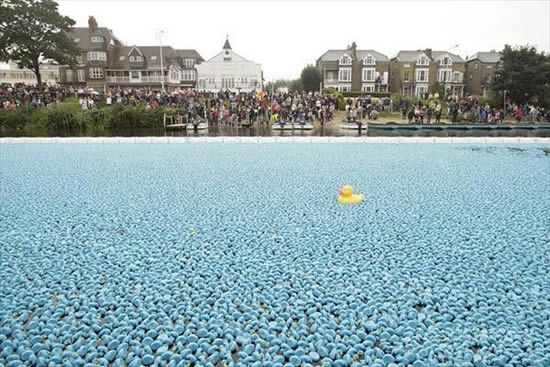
x=523, y=73
x=33, y=30
x=296, y=85
x=310, y=78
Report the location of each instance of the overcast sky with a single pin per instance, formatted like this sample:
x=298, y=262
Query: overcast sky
x=284, y=36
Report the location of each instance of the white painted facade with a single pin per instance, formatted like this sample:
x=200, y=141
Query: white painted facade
x=12, y=74
x=229, y=71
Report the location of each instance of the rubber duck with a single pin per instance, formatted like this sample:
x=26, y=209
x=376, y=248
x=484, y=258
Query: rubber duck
x=348, y=197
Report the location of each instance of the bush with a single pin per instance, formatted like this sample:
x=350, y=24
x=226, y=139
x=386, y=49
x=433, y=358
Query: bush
x=125, y=118
x=365, y=94
x=14, y=119
x=62, y=120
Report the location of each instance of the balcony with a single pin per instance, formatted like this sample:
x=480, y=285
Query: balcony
x=140, y=80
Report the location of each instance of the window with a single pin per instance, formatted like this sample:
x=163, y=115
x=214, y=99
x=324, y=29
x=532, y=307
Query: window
x=344, y=88
x=444, y=75
x=421, y=90
x=331, y=76
x=121, y=58
x=407, y=65
x=136, y=58
x=228, y=83
x=96, y=73
x=422, y=60
x=406, y=76
x=489, y=66
x=77, y=40
x=79, y=59
x=153, y=58
x=69, y=75
x=344, y=75
x=134, y=74
x=97, y=39
x=369, y=60
x=422, y=75
x=189, y=63
x=368, y=74
x=81, y=75
x=368, y=88
x=189, y=75
x=97, y=56
x=345, y=60
x=475, y=65
x=202, y=83
x=174, y=74
x=445, y=61
x=457, y=77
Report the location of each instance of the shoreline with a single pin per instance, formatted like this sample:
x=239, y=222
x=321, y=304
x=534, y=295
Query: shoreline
x=272, y=139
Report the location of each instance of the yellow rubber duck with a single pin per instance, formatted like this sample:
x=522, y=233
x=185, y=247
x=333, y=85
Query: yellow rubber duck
x=348, y=197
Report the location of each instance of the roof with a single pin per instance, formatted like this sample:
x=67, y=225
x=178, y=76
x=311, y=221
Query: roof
x=84, y=34
x=412, y=56
x=334, y=55
x=170, y=56
x=488, y=57
x=226, y=45
x=189, y=54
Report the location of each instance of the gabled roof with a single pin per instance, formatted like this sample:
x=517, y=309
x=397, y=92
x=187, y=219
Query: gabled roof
x=190, y=54
x=454, y=57
x=84, y=36
x=334, y=55
x=488, y=57
x=412, y=56
x=169, y=55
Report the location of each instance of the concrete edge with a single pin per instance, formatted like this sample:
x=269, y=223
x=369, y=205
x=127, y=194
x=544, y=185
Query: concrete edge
x=274, y=139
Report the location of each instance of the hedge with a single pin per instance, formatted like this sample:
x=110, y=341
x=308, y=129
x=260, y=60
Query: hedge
x=69, y=116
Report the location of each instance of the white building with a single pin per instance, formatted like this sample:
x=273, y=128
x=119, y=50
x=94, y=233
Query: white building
x=10, y=73
x=229, y=71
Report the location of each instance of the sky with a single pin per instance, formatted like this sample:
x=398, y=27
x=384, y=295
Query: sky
x=284, y=36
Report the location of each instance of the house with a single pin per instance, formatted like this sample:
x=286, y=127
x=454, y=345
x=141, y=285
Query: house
x=12, y=74
x=229, y=71
x=95, y=44
x=141, y=66
x=417, y=73
x=480, y=68
x=353, y=70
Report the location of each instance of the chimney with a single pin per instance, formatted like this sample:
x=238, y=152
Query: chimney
x=428, y=52
x=92, y=24
x=353, y=50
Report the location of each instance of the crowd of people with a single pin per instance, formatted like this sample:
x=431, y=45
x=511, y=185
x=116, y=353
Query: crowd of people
x=12, y=97
x=263, y=106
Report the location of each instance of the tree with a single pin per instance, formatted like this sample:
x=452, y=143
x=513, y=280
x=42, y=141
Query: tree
x=33, y=30
x=523, y=73
x=310, y=78
x=296, y=85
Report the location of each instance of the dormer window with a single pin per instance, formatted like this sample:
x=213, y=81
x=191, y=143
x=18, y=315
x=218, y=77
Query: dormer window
x=369, y=60
x=188, y=63
x=97, y=39
x=446, y=61
x=77, y=40
x=121, y=58
x=154, y=58
x=136, y=58
x=422, y=60
x=345, y=60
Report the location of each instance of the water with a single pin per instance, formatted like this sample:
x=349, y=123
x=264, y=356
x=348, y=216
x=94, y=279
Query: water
x=202, y=253
x=330, y=130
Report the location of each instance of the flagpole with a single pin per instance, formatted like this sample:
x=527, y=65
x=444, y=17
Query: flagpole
x=161, y=61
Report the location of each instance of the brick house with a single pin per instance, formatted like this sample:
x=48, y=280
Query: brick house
x=353, y=70
x=95, y=43
x=480, y=68
x=415, y=73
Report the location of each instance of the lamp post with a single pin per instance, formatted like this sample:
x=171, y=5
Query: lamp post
x=161, y=61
